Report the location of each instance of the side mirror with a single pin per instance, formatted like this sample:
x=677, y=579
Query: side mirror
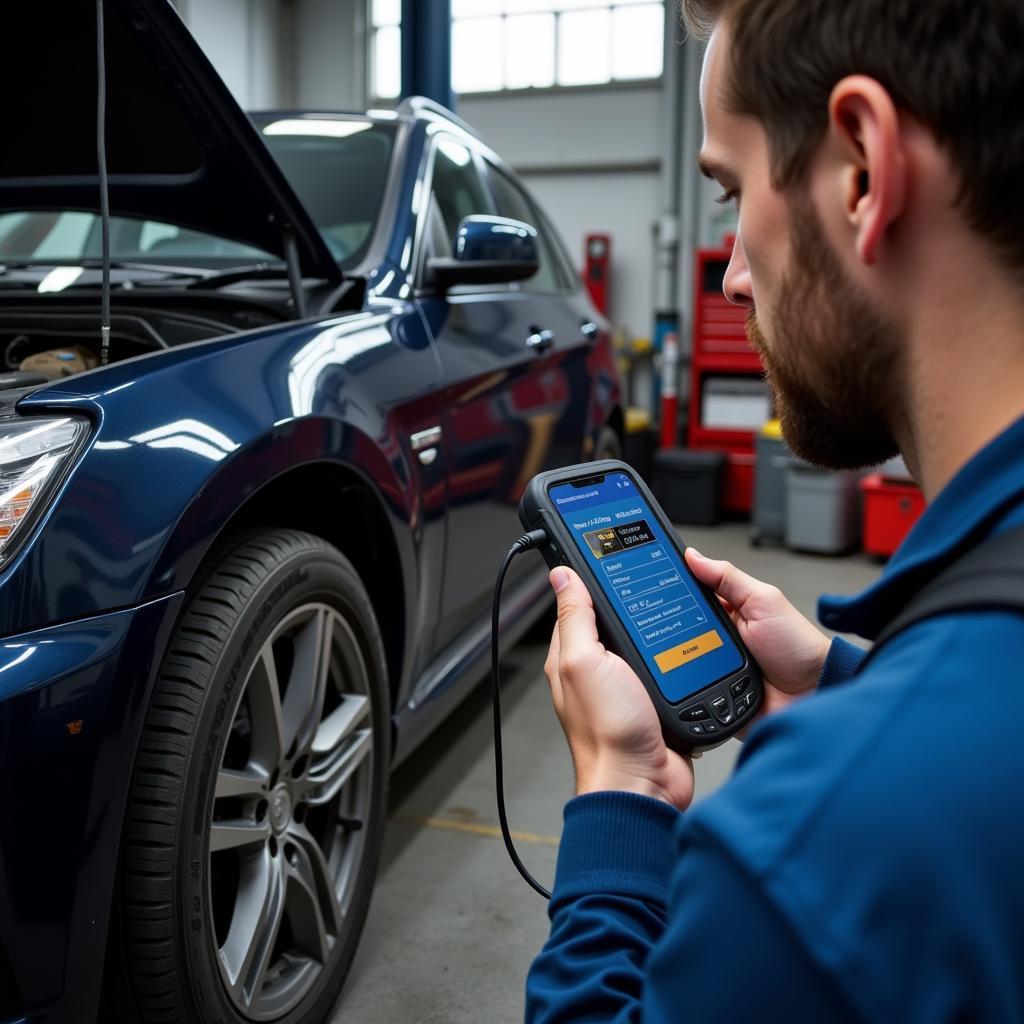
x=488, y=250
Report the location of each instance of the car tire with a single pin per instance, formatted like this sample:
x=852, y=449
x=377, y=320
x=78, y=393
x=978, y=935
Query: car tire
x=258, y=797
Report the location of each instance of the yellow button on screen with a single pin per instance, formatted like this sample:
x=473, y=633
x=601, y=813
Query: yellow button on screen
x=688, y=651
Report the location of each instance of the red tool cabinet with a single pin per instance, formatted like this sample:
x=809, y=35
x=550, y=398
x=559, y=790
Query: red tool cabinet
x=720, y=349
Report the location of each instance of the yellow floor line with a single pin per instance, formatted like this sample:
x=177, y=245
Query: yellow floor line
x=491, y=831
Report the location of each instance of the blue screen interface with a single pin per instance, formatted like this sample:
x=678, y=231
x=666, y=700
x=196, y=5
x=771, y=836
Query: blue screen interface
x=681, y=640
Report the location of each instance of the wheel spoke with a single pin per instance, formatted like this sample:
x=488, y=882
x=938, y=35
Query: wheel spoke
x=237, y=833
x=329, y=774
x=304, y=698
x=249, y=782
x=340, y=723
x=311, y=901
x=265, y=709
x=247, y=950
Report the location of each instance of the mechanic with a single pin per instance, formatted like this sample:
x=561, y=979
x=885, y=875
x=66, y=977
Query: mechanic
x=864, y=861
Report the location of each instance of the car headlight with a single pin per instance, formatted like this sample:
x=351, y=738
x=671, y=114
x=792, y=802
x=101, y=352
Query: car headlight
x=34, y=453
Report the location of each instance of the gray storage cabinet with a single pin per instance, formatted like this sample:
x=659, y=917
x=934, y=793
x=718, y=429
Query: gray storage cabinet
x=768, y=516
x=823, y=509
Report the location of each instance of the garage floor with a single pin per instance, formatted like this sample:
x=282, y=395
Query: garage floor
x=452, y=928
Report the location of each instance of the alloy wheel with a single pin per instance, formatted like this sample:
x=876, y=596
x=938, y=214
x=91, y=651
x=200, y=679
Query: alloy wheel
x=292, y=795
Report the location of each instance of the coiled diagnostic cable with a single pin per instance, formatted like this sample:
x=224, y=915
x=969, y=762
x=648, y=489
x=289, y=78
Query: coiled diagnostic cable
x=527, y=542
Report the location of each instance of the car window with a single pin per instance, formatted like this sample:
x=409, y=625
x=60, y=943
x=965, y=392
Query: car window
x=516, y=204
x=457, y=190
x=567, y=271
x=439, y=242
x=338, y=167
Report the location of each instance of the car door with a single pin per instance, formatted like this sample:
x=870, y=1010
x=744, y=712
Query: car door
x=553, y=300
x=502, y=402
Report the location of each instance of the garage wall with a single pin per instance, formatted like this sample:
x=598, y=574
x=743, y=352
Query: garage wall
x=284, y=53
x=249, y=42
x=330, y=61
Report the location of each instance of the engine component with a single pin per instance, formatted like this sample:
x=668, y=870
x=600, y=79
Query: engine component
x=55, y=363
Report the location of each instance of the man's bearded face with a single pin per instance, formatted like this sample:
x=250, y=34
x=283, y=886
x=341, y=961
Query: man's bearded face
x=833, y=360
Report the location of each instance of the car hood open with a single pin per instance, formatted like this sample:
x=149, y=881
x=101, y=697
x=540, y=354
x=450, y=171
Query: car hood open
x=179, y=148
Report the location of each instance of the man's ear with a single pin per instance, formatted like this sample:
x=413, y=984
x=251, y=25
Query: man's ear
x=865, y=126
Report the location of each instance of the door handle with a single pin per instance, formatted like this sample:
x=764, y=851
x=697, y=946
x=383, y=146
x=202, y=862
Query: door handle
x=540, y=340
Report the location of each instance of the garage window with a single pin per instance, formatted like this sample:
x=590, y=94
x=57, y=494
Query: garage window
x=502, y=45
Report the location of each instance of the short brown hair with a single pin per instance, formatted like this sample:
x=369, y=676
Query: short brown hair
x=957, y=66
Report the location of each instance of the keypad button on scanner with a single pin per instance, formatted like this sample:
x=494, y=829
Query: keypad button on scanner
x=740, y=685
x=697, y=714
x=720, y=706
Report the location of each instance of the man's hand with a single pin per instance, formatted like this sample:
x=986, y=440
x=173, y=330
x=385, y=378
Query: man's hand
x=613, y=730
x=790, y=649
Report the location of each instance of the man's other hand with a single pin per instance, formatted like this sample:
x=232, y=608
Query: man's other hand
x=790, y=649
x=613, y=730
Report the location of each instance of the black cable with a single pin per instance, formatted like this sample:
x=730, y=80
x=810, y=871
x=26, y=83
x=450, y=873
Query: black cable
x=101, y=155
x=525, y=543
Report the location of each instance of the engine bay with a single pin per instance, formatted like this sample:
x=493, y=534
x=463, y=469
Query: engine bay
x=56, y=343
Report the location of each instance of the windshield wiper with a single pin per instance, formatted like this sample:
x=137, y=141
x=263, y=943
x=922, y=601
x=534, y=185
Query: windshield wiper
x=252, y=272
x=200, y=278
x=155, y=268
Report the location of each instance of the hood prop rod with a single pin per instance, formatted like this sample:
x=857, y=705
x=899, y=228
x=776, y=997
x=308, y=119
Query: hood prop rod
x=101, y=155
x=291, y=258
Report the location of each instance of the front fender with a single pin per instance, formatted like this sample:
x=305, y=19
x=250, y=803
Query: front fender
x=183, y=436
x=289, y=445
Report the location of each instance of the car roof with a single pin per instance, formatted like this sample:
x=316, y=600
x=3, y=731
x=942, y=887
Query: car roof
x=412, y=108
x=410, y=111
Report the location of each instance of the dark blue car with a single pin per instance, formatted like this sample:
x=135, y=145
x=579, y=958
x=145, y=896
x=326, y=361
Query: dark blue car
x=245, y=567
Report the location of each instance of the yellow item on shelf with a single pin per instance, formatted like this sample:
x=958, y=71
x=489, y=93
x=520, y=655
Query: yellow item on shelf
x=637, y=420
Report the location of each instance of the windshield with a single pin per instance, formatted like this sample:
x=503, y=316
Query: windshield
x=338, y=167
x=67, y=236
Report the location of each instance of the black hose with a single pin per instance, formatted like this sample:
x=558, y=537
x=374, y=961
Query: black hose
x=101, y=155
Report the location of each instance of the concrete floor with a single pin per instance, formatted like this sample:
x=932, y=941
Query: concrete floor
x=452, y=928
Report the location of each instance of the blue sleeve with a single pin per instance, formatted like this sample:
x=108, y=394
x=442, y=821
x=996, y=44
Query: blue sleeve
x=715, y=950
x=841, y=663
x=608, y=908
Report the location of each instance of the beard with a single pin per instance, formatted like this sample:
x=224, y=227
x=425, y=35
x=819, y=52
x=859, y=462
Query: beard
x=833, y=361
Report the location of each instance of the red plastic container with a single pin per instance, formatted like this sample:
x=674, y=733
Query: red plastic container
x=891, y=507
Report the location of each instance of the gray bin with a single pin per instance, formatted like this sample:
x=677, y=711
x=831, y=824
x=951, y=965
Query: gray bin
x=768, y=516
x=823, y=510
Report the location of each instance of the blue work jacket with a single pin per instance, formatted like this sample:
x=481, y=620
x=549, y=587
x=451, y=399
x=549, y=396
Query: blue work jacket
x=865, y=862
